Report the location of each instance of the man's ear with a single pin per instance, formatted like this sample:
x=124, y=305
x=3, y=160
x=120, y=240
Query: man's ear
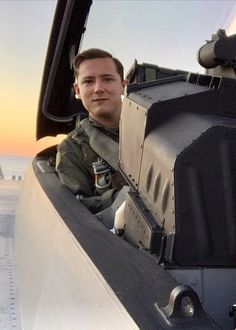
x=124, y=83
x=77, y=92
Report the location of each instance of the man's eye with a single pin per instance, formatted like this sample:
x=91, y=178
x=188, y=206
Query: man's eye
x=88, y=81
x=109, y=79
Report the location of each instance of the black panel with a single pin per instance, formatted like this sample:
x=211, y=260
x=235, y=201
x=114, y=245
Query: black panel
x=205, y=185
x=141, y=228
x=186, y=143
x=139, y=73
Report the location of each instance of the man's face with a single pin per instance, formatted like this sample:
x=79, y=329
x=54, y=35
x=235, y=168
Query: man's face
x=100, y=87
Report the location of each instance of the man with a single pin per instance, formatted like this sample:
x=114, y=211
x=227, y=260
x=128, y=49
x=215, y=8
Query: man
x=87, y=160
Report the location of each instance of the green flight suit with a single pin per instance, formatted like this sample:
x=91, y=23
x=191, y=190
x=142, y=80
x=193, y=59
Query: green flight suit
x=74, y=163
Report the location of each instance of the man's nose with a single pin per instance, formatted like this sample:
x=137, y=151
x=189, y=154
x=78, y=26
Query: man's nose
x=99, y=86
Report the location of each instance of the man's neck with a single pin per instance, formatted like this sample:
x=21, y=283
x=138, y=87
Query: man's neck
x=107, y=122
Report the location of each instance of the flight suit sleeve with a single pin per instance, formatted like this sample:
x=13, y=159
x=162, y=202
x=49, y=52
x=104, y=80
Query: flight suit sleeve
x=70, y=168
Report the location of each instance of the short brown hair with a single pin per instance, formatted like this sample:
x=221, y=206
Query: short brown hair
x=93, y=53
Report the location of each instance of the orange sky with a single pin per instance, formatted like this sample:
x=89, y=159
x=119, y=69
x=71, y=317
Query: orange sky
x=17, y=102
x=24, y=39
x=18, y=119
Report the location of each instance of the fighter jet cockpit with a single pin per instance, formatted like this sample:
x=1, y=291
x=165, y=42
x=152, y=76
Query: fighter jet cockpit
x=164, y=254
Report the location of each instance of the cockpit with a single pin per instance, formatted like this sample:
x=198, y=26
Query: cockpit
x=177, y=155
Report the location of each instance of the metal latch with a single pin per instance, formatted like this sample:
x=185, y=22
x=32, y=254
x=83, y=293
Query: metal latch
x=102, y=172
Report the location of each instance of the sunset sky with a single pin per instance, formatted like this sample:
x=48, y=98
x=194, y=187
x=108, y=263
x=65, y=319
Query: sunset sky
x=182, y=26
x=24, y=30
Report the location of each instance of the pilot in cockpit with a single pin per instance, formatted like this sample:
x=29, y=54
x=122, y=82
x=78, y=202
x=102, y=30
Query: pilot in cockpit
x=87, y=160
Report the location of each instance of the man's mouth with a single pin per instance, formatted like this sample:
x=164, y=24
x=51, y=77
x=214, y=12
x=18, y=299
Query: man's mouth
x=100, y=99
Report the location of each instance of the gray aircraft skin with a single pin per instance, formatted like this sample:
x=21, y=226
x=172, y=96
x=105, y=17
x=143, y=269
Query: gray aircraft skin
x=175, y=264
